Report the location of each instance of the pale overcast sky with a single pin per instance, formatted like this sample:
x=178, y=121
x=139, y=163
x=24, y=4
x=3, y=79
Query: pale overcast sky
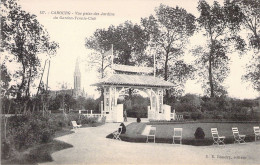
x=71, y=34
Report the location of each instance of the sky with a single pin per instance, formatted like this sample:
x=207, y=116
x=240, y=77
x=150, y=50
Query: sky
x=71, y=34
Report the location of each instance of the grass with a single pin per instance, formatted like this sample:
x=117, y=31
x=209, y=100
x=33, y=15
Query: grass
x=42, y=152
x=164, y=132
x=64, y=131
x=38, y=154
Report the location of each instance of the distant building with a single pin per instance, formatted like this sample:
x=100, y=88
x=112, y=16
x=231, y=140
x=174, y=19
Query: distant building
x=77, y=91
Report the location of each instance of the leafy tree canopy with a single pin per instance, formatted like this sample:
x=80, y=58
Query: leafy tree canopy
x=25, y=38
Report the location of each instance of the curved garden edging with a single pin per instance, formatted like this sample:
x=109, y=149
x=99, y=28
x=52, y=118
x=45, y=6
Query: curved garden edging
x=164, y=132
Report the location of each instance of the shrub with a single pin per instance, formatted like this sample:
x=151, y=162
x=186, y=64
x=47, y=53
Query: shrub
x=185, y=107
x=138, y=120
x=208, y=115
x=196, y=115
x=219, y=117
x=74, y=117
x=29, y=130
x=199, y=133
x=186, y=115
x=239, y=117
x=210, y=105
x=47, y=135
x=103, y=119
x=88, y=120
x=6, y=150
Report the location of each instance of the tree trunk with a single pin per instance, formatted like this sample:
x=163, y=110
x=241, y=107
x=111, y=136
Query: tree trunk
x=33, y=108
x=102, y=97
x=211, y=55
x=28, y=84
x=6, y=119
x=19, y=93
x=257, y=38
x=166, y=75
x=5, y=122
x=211, y=78
x=25, y=106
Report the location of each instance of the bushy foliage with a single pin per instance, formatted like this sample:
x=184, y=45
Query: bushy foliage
x=88, y=120
x=218, y=108
x=197, y=115
x=186, y=115
x=72, y=103
x=74, y=117
x=6, y=149
x=199, y=133
x=188, y=103
x=136, y=106
x=26, y=131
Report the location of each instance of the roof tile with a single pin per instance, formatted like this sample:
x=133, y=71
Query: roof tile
x=135, y=80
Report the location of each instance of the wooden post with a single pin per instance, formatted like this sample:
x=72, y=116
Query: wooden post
x=102, y=108
x=154, y=65
x=48, y=75
x=41, y=78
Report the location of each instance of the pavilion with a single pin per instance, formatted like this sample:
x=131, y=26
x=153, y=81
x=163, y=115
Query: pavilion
x=125, y=77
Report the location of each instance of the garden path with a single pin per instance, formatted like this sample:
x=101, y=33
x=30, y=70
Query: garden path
x=90, y=146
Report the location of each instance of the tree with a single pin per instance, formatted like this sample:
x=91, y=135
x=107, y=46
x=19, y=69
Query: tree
x=56, y=102
x=24, y=38
x=91, y=104
x=169, y=31
x=5, y=80
x=69, y=102
x=128, y=39
x=129, y=44
x=213, y=60
x=245, y=15
x=80, y=102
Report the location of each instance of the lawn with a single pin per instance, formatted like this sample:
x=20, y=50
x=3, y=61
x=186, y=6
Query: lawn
x=38, y=154
x=164, y=132
x=42, y=152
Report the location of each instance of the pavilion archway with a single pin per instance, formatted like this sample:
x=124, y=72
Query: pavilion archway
x=114, y=111
x=151, y=85
x=133, y=104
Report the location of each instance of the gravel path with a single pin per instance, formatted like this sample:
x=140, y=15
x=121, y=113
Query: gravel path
x=91, y=147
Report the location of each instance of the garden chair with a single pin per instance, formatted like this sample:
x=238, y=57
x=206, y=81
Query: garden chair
x=117, y=133
x=257, y=132
x=238, y=138
x=177, y=135
x=75, y=125
x=151, y=134
x=216, y=138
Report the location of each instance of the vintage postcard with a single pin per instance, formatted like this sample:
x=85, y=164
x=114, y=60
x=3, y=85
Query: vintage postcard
x=130, y=82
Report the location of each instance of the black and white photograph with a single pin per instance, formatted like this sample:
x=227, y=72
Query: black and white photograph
x=141, y=82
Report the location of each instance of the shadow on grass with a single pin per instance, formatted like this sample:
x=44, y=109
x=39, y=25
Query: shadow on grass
x=193, y=142
x=39, y=154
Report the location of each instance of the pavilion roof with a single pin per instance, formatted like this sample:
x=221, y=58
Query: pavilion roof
x=135, y=80
x=132, y=69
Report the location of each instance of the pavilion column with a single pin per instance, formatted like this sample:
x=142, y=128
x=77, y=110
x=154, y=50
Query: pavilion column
x=113, y=97
x=153, y=99
x=108, y=103
x=159, y=105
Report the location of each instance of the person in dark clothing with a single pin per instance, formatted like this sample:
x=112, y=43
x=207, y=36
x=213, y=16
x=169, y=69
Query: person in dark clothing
x=123, y=128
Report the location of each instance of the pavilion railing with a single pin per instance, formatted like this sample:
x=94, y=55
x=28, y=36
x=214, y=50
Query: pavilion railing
x=174, y=116
x=91, y=114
